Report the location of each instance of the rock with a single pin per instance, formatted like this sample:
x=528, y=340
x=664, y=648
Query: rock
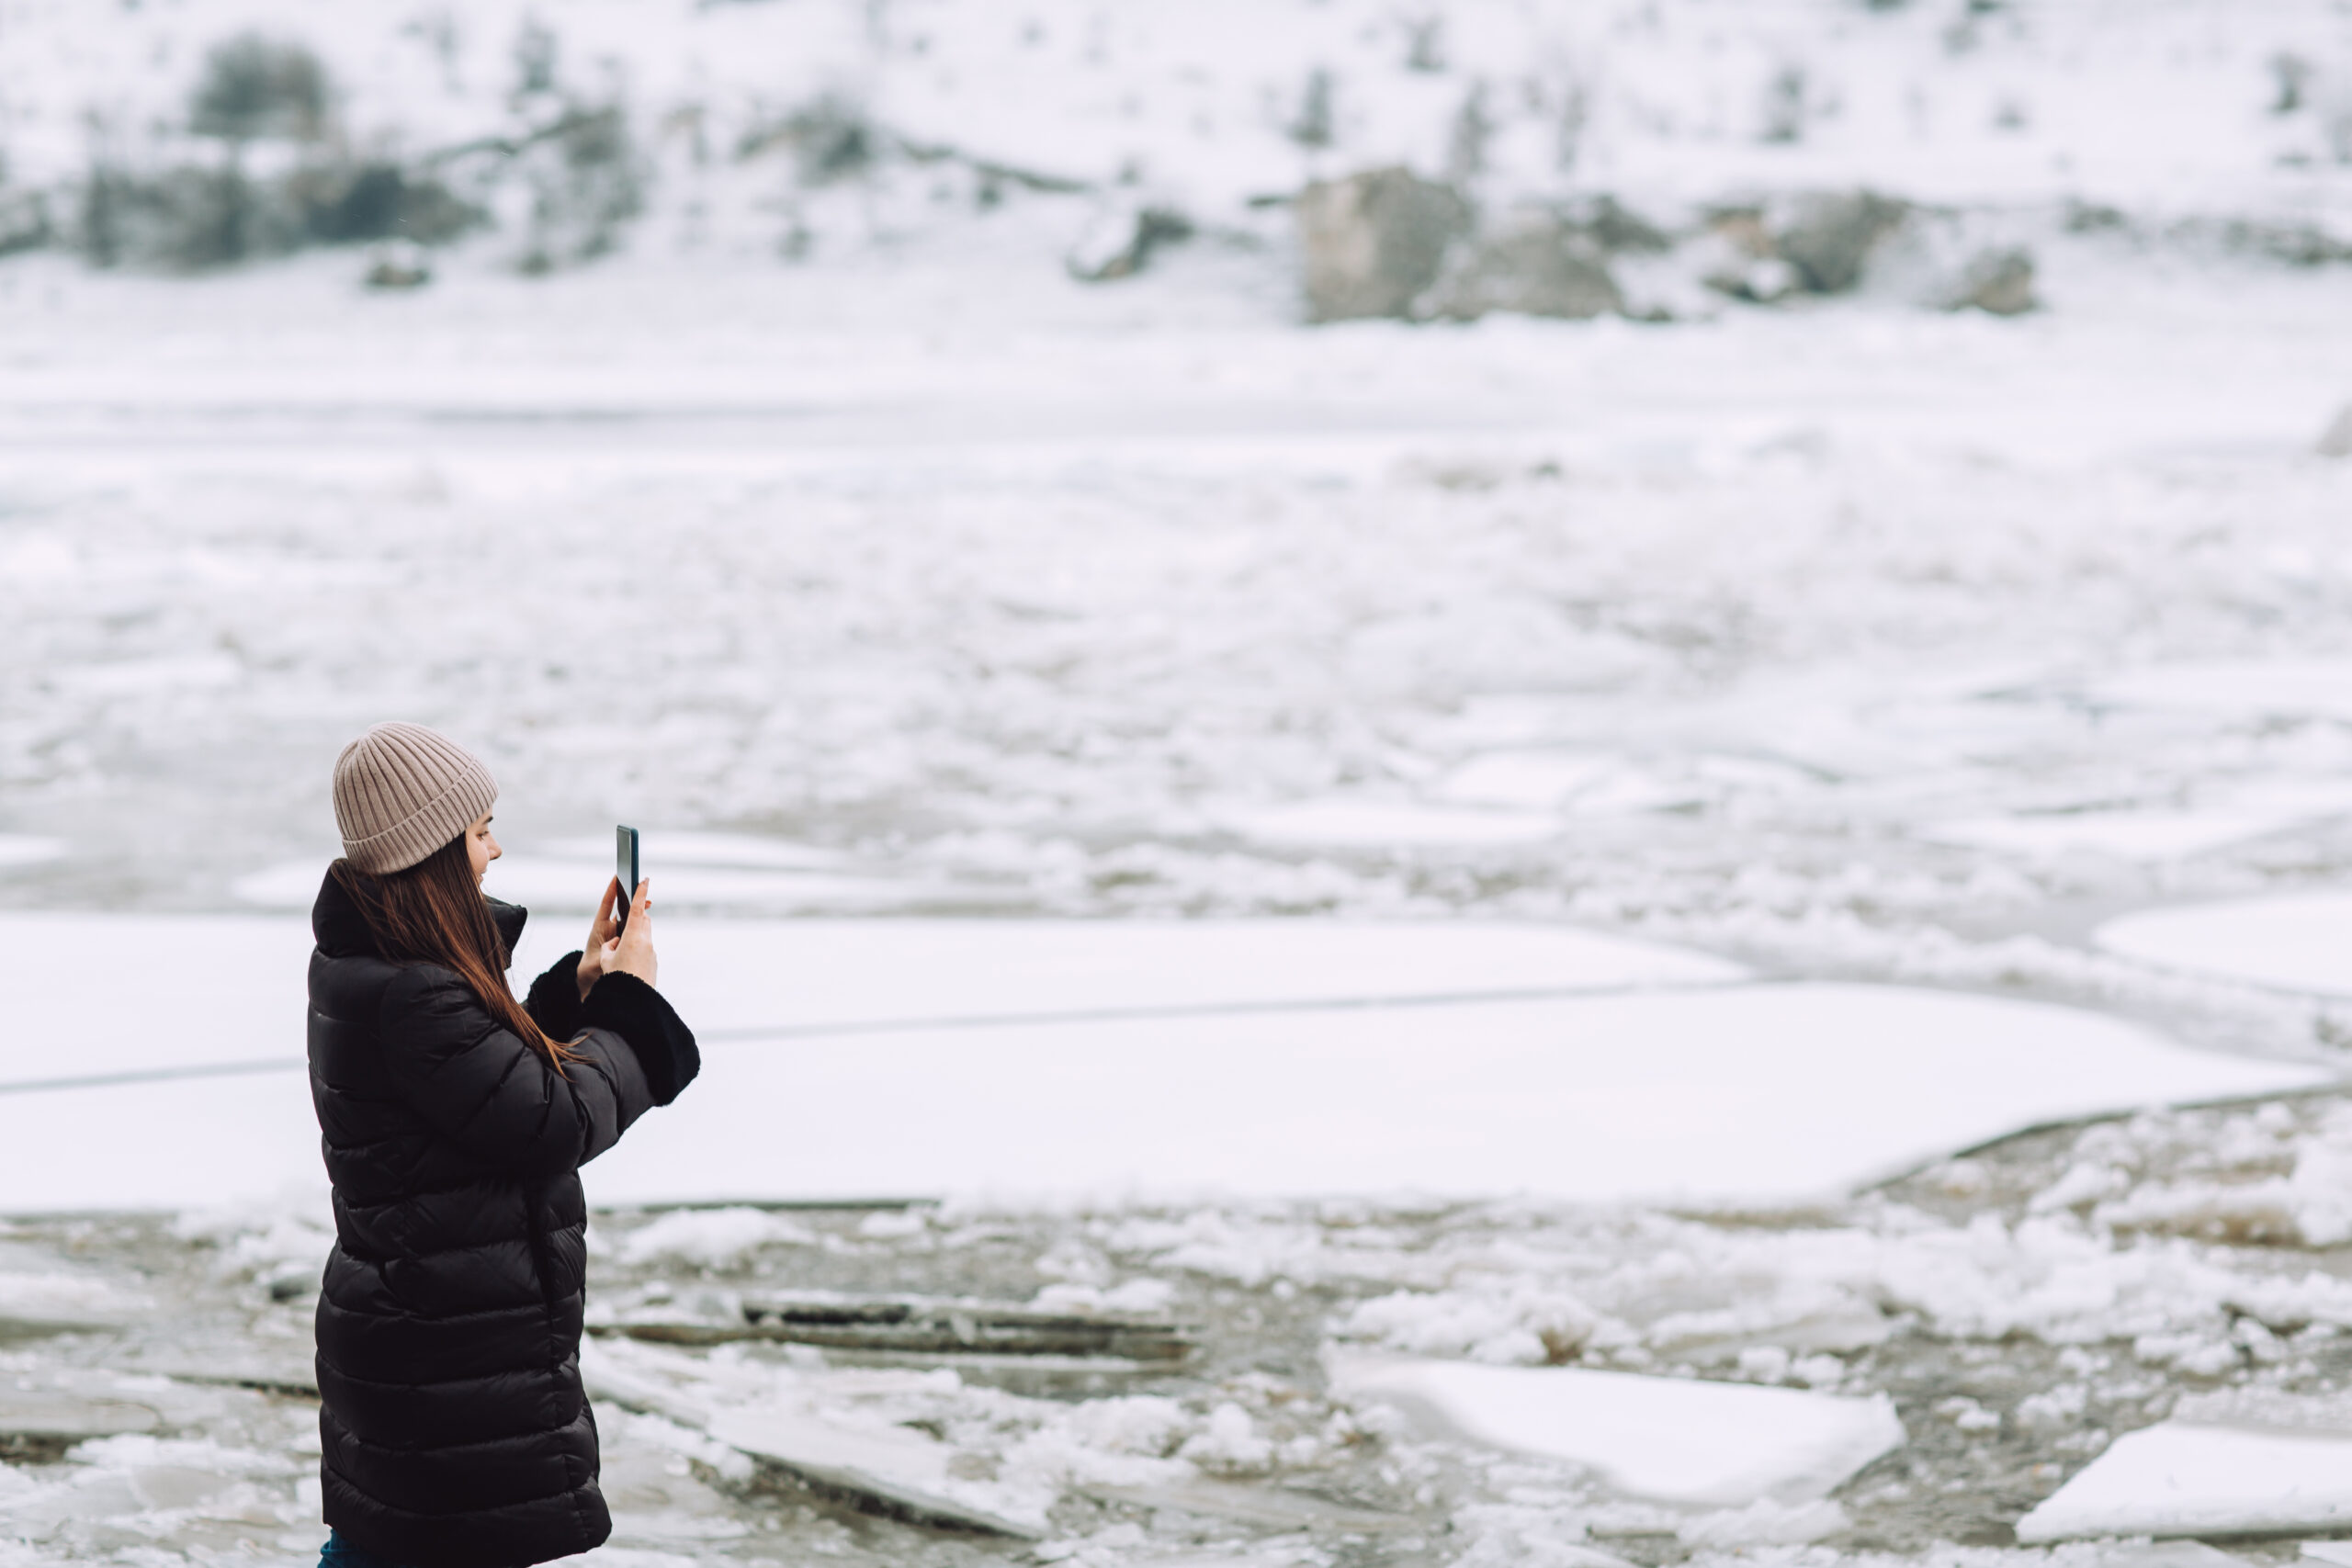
x=1535, y=267
x=1375, y=242
x=2337, y=440
x=1998, y=282
x=398, y=266
x=1829, y=237
x=1122, y=242
x=24, y=221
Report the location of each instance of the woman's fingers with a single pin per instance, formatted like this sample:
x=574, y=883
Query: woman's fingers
x=604, y=907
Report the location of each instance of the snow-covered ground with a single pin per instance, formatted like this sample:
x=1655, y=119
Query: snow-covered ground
x=1426, y=854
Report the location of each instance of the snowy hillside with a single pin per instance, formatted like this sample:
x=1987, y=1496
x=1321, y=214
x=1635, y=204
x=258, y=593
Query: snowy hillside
x=546, y=135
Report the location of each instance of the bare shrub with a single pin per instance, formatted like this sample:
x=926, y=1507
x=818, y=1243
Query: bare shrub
x=831, y=138
x=586, y=181
x=255, y=88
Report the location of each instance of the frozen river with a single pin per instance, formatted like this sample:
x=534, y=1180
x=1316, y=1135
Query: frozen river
x=1848, y=641
x=1637, y=735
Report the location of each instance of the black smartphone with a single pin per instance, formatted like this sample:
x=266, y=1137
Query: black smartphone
x=625, y=867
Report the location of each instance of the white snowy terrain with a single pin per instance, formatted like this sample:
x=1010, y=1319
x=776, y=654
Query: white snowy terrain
x=1513, y=884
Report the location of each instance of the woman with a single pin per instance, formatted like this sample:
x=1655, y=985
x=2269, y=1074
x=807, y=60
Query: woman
x=455, y=1431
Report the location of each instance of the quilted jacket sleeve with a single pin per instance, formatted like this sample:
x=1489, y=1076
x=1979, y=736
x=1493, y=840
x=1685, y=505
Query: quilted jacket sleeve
x=496, y=1097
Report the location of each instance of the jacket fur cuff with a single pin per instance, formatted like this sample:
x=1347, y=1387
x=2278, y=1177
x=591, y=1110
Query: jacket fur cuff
x=662, y=1044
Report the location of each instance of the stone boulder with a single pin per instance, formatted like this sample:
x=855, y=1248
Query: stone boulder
x=1122, y=241
x=1535, y=265
x=1998, y=282
x=2337, y=440
x=1374, y=243
x=1828, y=237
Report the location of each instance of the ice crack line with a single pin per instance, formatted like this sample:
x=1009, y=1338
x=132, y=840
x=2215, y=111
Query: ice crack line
x=916, y=1025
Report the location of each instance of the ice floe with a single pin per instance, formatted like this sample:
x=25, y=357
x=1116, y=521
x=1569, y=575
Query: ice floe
x=1712, y=1092
x=2149, y=836
x=1721, y=1092
x=1672, y=1439
x=237, y=981
x=1410, y=824
x=2302, y=942
x=2183, y=1479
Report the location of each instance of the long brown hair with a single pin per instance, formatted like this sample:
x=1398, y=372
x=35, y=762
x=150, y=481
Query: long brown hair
x=433, y=912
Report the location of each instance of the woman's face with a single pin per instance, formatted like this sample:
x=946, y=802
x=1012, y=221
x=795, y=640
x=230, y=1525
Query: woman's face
x=480, y=848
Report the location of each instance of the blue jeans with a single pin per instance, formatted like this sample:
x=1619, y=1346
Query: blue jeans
x=340, y=1553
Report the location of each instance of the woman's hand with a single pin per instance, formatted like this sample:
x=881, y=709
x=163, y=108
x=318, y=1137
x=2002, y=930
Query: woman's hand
x=600, y=932
x=631, y=953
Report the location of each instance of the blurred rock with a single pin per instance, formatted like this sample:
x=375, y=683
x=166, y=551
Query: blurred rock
x=1375, y=242
x=2337, y=441
x=182, y=219
x=1829, y=237
x=194, y=217
x=831, y=138
x=24, y=221
x=2297, y=244
x=1122, y=241
x=398, y=266
x=1535, y=265
x=1998, y=282
x=345, y=203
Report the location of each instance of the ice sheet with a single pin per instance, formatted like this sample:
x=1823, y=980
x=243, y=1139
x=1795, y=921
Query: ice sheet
x=555, y=883
x=2178, y=1479
x=1373, y=822
x=2302, y=941
x=209, y=990
x=237, y=982
x=1727, y=1091
x=1731, y=1091
x=2150, y=835
x=1674, y=1439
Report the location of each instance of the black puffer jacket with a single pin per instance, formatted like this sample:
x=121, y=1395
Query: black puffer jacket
x=455, y=1433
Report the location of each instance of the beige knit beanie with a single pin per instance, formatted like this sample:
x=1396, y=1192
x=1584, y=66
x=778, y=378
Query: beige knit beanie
x=401, y=791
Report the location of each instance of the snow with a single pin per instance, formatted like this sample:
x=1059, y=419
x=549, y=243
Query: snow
x=1674, y=1439
x=2301, y=942
x=2180, y=1479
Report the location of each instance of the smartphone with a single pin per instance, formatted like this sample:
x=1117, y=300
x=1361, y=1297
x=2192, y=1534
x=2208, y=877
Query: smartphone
x=625, y=866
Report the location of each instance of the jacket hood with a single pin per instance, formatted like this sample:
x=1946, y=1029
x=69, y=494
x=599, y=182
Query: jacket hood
x=342, y=931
